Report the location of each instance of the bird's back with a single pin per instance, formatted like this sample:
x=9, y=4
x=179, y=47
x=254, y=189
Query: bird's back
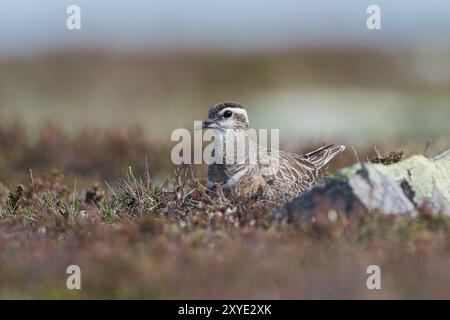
x=283, y=172
x=291, y=174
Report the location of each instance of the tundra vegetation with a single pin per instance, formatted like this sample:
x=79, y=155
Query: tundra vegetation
x=135, y=237
x=92, y=187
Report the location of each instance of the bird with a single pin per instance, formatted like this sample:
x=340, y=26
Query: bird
x=237, y=162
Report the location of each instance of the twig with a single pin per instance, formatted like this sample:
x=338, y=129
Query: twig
x=147, y=172
x=32, y=180
x=356, y=154
x=378, y=154
x=427, y=146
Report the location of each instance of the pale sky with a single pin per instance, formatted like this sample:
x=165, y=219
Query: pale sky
x=29, y=26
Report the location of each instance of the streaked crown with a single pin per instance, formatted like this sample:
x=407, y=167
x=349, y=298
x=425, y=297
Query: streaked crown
x=227, y=115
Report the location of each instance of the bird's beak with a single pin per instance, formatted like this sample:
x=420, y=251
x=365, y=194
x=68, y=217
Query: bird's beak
x=205, y=125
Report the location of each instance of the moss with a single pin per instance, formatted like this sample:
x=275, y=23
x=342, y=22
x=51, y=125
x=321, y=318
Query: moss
x=390, y=158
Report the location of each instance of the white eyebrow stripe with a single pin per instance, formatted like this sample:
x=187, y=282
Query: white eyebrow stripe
x=235, y=110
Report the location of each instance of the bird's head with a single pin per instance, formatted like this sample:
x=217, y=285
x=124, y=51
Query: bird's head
x=226, y=116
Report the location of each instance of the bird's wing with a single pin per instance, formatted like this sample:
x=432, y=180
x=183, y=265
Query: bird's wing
x=320, y=157
x=287, y=170
x=297, y=171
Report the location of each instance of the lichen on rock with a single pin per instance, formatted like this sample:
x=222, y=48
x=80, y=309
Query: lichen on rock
x=415, y=184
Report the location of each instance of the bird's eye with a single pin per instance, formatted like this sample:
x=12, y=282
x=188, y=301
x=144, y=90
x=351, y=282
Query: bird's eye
x=227, y=114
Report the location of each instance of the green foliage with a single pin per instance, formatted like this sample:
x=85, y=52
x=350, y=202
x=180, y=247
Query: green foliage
x=390, y=158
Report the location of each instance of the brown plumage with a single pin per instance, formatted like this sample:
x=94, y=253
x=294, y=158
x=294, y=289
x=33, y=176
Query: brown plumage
x=276, y=171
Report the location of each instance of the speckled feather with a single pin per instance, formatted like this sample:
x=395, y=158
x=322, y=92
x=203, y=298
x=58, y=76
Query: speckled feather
x=282, y=172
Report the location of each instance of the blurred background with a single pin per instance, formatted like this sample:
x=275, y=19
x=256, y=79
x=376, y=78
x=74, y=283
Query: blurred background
x=79, y=100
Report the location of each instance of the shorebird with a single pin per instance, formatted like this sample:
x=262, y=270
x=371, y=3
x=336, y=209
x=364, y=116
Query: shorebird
x=285, y=173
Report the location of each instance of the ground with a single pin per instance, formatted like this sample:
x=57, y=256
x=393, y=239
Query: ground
x=134, y=236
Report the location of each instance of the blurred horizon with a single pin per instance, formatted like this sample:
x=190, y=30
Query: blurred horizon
x=309, y=68
x=354, y=96
x=28, y=28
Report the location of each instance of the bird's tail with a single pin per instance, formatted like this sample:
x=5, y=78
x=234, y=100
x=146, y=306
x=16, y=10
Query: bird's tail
x=320, y=157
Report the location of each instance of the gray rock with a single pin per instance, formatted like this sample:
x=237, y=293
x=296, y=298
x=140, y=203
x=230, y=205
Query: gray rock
x=407, y=187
